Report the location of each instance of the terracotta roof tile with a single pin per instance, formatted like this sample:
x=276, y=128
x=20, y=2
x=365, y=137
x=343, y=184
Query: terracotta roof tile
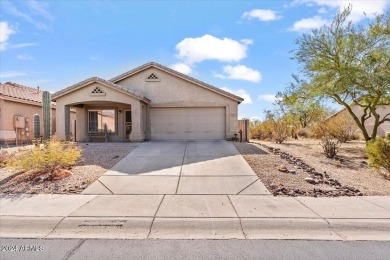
x=10, y=89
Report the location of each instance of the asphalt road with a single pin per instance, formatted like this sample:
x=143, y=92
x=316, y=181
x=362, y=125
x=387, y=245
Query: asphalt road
x=191, y=249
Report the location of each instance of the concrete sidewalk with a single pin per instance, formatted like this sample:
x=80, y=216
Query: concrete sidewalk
x=194, y=217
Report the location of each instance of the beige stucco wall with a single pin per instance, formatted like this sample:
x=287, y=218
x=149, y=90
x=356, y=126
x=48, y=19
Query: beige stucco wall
x=172, y=91
x=11, y=108
x=113, y=99
x=358, y=111
x=382, y=111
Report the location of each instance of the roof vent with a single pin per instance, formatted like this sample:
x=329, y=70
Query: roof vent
x=97, y=91
x=152, y=77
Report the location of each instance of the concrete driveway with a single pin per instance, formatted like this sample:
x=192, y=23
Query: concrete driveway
x=192, y=167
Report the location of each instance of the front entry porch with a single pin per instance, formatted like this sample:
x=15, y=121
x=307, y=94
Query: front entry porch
x=103, y=111
x=102, y=122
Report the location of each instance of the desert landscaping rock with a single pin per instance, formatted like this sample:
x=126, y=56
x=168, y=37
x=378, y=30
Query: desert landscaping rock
x=96, y=159
x=287, y=175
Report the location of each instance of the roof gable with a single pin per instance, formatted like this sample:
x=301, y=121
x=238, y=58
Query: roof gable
x=104, y=82
x=177, y=74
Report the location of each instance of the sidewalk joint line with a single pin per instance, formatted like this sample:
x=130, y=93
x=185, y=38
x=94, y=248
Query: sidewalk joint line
x=330, y=226
x=247, y=187
x=154, y=217
x=181, y=168
x=54, y=228
x=105, y=186
x=374, y=204
x=94, y=196
x=239, y=219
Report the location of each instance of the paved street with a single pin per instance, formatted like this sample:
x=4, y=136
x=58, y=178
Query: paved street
x=195, y=249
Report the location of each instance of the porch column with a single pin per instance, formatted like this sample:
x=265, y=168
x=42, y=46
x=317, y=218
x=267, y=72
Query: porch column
x=138, y=128
x=67, y=122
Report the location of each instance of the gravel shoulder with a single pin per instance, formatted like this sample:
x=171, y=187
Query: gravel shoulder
x=96, y=159
x=350, y=169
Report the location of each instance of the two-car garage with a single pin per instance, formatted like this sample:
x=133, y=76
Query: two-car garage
x=188, y=123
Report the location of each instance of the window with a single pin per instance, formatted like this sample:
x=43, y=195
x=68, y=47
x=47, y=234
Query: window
x=99, y=120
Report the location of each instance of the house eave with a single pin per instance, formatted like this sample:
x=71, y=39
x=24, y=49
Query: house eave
x=106, y=83
x=179, y=75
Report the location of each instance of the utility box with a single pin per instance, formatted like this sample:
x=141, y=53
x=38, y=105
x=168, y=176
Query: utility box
x=19, y=122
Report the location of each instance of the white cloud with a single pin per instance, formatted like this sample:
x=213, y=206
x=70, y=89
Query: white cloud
x=240, y=72
x=32, y=12
x=247, y=41
x=370, y=8
x=182, y=68
x=11, y=74
x=208, y=47
x=268, y=98
x=308, y=24
x=261, y=15
x=5, y=33
x=24, y=57
x=23, y=45
x=40, y=8
x=241, y=93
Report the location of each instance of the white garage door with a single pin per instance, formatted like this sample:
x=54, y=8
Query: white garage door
x=189, y=123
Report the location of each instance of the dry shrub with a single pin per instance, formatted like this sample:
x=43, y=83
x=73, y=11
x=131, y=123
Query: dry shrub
x=304, y=133
x=341, y=126
x=5, y=157
x=261, y=130
x=47, y=158
x=280, y=130
x=330, y=146
x=378, y=152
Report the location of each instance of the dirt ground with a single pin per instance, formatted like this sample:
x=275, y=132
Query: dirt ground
x=96, y=159
x=349, y=170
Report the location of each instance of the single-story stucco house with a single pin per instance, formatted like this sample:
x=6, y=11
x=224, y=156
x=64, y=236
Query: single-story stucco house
x=18, y=104
x=150, y=102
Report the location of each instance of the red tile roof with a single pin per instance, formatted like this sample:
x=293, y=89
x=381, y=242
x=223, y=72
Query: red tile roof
x=17, y=91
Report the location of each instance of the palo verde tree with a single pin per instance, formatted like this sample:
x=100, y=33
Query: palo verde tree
x=349, y=64
x=305, y=111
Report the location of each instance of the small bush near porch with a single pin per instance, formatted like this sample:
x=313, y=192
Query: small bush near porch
x=52, y=157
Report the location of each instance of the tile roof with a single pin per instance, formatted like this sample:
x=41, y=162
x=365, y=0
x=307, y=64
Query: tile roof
x=13, y=90
x=162, y=67
x=102, y=81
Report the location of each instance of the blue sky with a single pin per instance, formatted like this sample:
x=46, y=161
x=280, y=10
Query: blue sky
x=240, y=46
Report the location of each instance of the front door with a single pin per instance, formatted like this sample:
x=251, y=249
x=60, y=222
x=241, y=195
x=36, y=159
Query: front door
x=127, y=124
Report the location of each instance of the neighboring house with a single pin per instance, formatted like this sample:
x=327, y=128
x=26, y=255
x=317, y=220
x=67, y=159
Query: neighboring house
x=383, y=129
x=150, y=102
x=18, y=104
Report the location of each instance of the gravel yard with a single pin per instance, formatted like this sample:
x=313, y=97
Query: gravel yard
x=97, y=158
x=348, y=175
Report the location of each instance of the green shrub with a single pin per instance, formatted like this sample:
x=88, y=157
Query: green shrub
x=378, y=152
x=51, y=156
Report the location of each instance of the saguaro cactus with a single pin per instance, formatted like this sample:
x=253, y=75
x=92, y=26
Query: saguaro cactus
x=46, y=107
x=37, y=126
